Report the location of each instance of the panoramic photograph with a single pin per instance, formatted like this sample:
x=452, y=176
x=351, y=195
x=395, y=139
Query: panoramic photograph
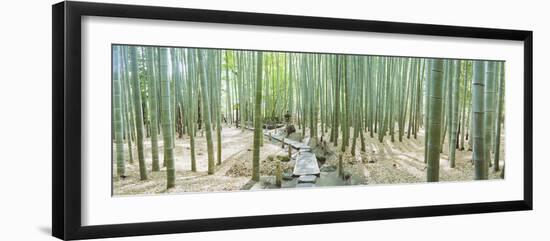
x=188, y=120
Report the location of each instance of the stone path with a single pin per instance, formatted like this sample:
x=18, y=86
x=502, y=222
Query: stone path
x=306, y=166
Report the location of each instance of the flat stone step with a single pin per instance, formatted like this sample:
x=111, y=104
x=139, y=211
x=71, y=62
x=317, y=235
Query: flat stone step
x=287, y=176
x=295, y=144
x=307, y=179
x=305, y=149
x=306, y=164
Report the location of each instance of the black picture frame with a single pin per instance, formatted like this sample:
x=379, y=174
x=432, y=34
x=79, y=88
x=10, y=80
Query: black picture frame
x=67, y=136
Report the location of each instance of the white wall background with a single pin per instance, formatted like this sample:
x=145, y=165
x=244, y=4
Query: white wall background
x=25, y=119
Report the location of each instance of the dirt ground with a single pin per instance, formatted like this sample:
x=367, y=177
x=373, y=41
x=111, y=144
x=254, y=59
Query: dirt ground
x=232, y=174
x=381, y=163
x=403, y=162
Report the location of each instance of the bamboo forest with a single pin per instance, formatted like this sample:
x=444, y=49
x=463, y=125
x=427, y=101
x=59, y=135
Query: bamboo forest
x=208, y=120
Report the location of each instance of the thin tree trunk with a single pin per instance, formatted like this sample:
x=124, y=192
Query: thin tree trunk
x=117, y=113
x=134, y=79
x=499, y=118
x=192, y=76
x=463, y=121
x=454, y=117
x=478, y=112
x=489, y=106
x=167, y=122
x=153, y=109
x=427, y=109
x=436, y=91
x=204, y=79
x=257, y=120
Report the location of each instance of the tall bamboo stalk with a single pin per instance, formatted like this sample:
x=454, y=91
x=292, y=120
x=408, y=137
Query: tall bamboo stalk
x=117, y=113
x=257, y=119
x=478, y=112
x=435, y=116
x=152, y=86
x=134, y=79
x=206, y=107
x=498, y=121
x=167, y=121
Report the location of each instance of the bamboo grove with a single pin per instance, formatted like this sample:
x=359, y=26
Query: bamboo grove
x=345, y=100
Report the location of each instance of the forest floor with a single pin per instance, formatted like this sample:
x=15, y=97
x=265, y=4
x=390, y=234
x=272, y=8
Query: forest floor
x=382, y=163
x=234, y=172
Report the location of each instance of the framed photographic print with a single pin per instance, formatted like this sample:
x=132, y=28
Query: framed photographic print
x=169, y=120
